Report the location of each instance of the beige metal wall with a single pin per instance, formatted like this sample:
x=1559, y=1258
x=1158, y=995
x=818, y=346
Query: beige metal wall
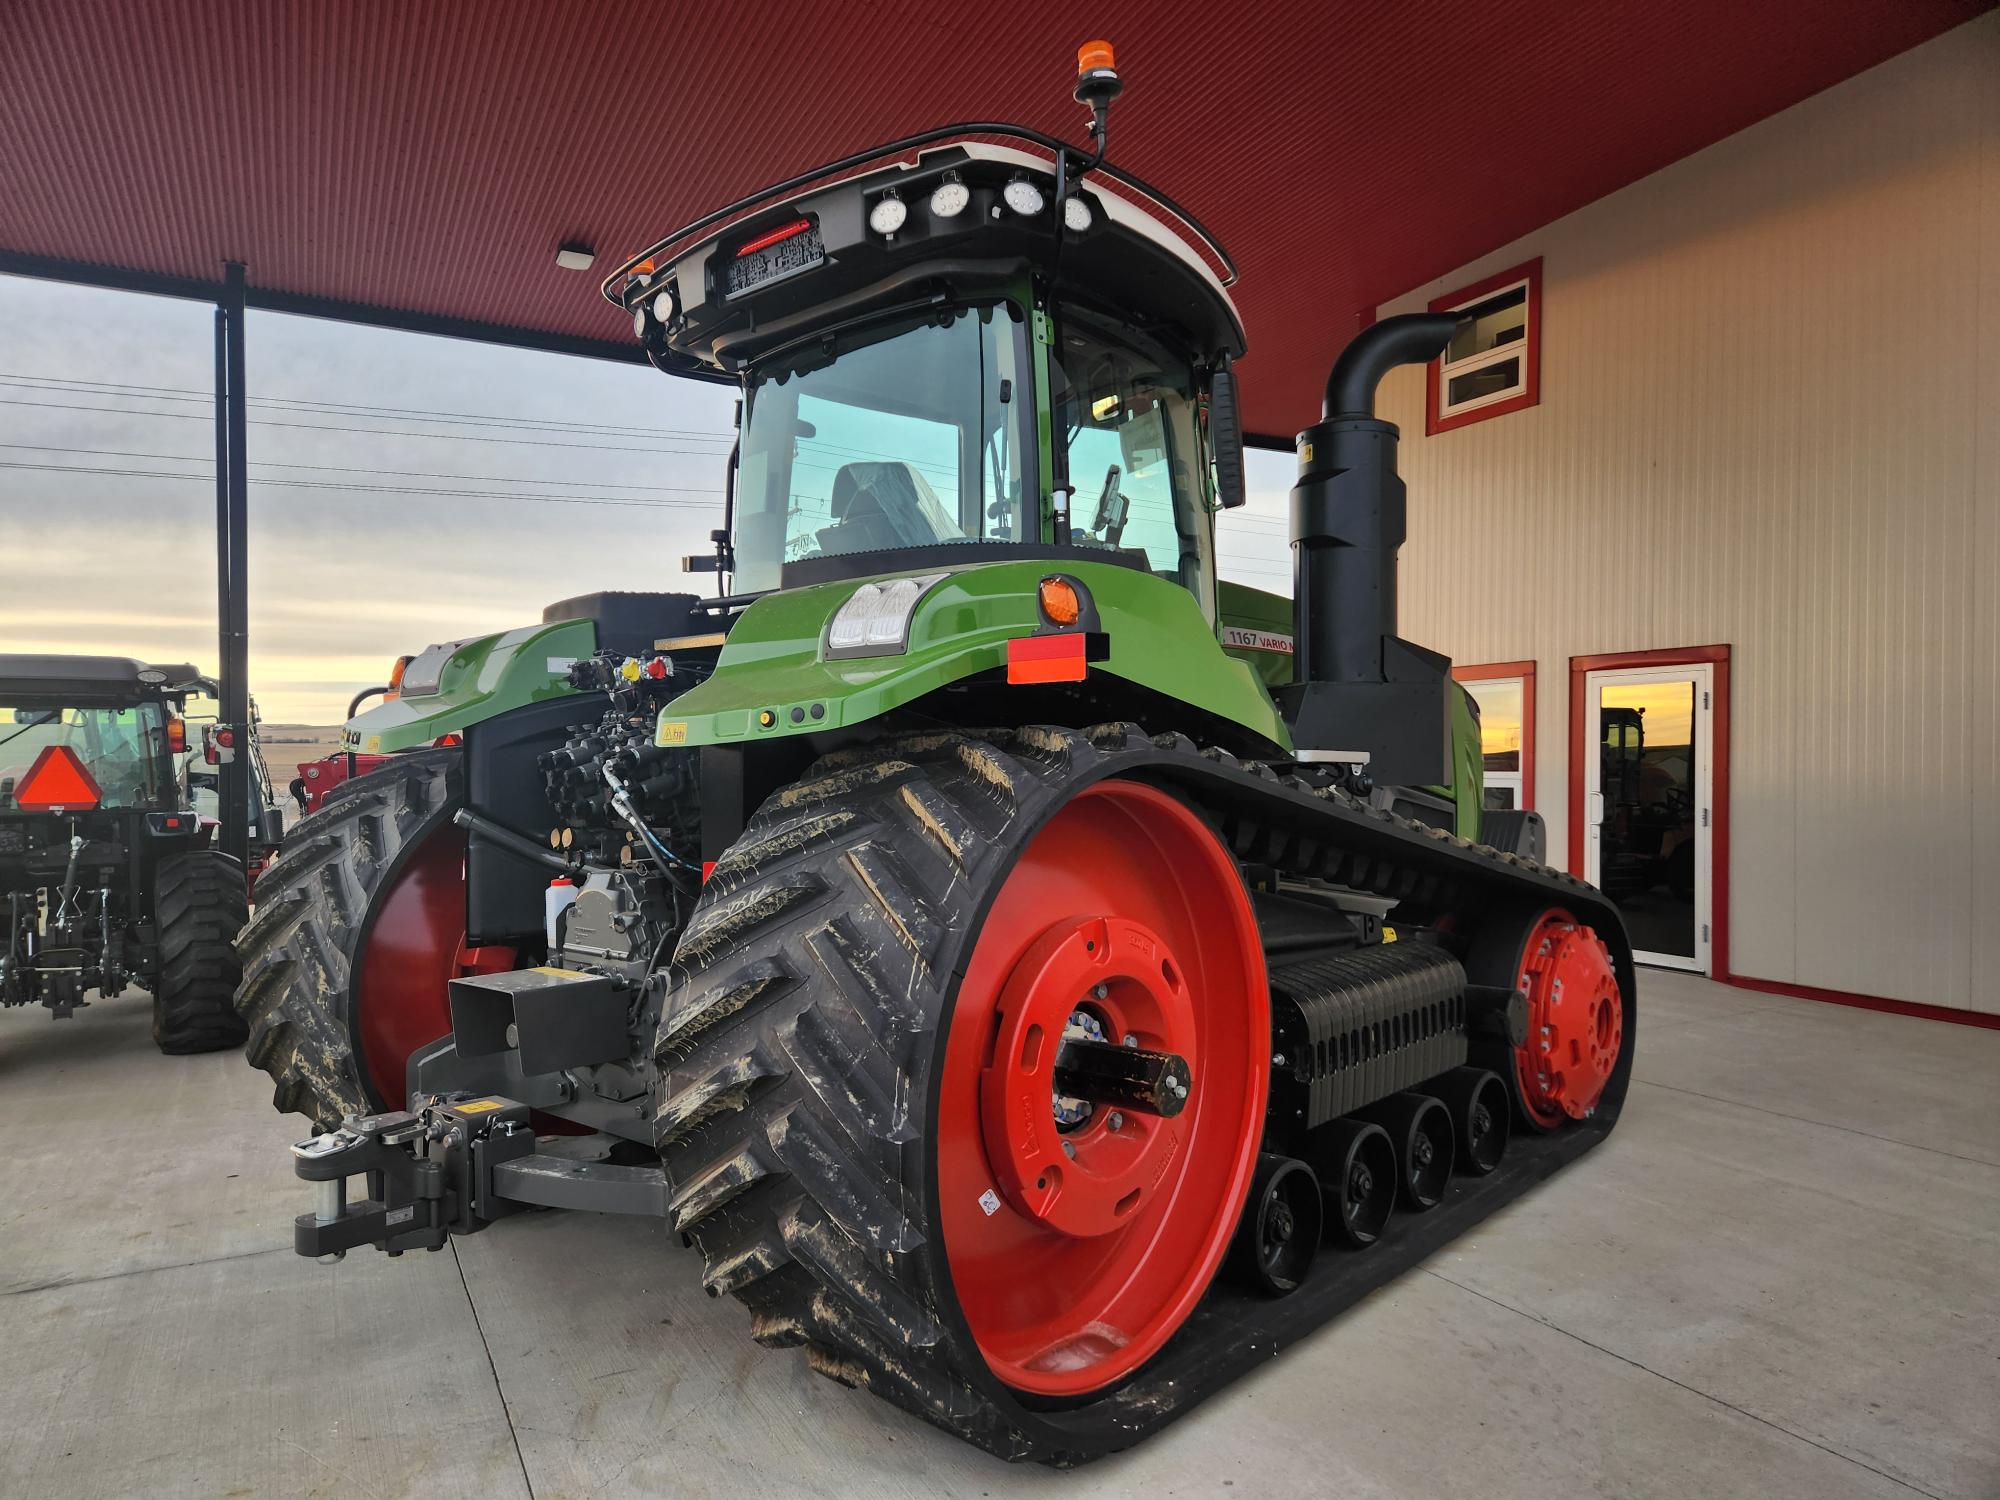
x=1770, y=417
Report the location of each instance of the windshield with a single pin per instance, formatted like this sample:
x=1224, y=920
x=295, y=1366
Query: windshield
x=1126, y=407
x=124, y=749
x=912, y=439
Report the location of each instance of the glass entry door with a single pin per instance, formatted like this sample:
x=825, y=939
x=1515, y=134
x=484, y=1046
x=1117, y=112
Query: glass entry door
x=1648, y=807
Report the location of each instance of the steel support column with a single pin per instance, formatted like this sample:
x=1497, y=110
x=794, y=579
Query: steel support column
x=232, y=570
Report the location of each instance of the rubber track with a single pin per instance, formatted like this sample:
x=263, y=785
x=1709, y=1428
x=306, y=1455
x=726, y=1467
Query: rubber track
x=809, y=991
x=301, y=950
x=198, y=908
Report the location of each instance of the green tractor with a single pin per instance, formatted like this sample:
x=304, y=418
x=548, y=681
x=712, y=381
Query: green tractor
x=1034, y=991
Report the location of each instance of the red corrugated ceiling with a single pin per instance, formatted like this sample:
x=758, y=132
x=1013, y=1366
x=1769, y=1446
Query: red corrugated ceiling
x=428, y=157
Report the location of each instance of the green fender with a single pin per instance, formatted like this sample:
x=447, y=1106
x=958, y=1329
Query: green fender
x=479, y=679
x=774, y=679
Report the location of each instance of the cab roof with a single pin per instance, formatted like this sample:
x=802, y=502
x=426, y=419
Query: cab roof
x=75, y=679
x=717, y=295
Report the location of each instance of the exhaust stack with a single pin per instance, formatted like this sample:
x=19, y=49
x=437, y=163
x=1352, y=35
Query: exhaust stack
x=1361, y=689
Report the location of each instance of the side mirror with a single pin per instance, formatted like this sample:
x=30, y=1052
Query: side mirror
x=1225, y=437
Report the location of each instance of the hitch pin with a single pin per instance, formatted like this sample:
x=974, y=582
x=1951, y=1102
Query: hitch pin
x=329, y=1194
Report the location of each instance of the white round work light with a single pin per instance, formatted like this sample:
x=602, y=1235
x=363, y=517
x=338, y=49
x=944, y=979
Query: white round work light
x=639, y=321
x=949, y=198
x=1076, y=214
x=1023, y=196
x=888, y=214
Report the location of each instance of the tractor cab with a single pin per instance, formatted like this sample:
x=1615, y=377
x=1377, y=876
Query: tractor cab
x=956, y=351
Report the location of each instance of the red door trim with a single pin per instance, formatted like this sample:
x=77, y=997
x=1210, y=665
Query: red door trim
x=1525, y=670
x=1580, y=668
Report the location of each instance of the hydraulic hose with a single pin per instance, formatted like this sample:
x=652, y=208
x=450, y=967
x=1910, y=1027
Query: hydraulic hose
x=508, y=839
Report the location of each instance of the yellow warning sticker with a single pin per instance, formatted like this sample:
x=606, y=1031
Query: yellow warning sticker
x=559, y=973
x=479, y=1106
x=1305, y=453
x=374, y=744
x=672, y=734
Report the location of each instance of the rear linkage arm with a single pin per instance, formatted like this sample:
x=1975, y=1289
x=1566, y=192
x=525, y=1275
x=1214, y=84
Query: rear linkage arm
x=451, y=1167
x=430, y=1175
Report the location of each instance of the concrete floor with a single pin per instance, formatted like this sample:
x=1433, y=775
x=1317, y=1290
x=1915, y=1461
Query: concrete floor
x=1781, y=1277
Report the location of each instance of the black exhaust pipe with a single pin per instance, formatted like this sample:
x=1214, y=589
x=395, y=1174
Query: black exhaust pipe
x=1362, y=692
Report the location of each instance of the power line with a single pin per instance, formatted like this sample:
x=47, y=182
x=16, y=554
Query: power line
x=370, y=489
x=191, y=458
x=59, y=386
x=377, y=432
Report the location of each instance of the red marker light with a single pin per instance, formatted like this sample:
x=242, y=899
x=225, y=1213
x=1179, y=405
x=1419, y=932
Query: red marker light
x=57, y=780
x=177, y=736
x=226, y=738
x=767, y=240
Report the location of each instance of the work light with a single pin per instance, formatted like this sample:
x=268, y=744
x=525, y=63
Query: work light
x=875, y=620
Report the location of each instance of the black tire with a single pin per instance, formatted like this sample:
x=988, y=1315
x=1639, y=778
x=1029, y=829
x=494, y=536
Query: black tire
x=300, y=953
x=810, y=995
x=198, y=908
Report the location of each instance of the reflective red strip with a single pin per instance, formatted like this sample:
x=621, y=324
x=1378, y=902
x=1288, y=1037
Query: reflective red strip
x=765, y=241
x=1046, y=658
x=707, y=869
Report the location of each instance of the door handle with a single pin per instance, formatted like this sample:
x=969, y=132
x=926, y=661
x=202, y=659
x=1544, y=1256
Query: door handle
x=1594, y=810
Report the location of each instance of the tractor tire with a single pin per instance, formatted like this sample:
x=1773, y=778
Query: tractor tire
x=821, y=1154
x=198, y=908
x=305, y=953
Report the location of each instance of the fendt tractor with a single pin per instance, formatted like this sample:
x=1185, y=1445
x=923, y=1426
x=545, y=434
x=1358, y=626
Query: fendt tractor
x=1032, y=999
x=107, y=877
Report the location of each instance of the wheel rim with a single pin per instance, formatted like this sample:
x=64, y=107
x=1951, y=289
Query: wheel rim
x=1076, y=1246
x=1576, y=1021
x=414, y=948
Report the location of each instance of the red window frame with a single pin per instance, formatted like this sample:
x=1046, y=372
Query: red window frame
x=1525, y=670
x=1531, y=394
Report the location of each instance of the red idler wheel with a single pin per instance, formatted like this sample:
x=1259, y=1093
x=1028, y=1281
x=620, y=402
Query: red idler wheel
x=415, y=946
x=1078, y=1234
x=1576, y=1022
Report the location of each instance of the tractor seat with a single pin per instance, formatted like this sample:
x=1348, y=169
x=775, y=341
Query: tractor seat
x=880, y=506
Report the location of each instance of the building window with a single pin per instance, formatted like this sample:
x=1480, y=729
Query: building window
x=1505, y=693
x=1493, y=364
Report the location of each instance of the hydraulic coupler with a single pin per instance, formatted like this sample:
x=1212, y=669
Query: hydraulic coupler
x=429, y=1175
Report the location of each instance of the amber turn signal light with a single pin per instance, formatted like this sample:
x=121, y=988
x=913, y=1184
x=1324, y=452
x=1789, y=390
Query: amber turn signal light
x=1060, y=605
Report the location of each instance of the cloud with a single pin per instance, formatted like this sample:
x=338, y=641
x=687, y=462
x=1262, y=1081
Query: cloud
x=345, y=578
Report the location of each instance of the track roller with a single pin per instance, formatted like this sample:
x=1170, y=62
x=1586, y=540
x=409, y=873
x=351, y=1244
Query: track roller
x=1420, y=1128
x=1279, y=1235
x=1356, y=1165
x=1477, y=1099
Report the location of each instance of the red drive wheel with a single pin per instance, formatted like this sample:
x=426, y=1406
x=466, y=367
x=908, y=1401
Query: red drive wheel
x=1080, y=1233
x=1576, y=1022
x=415, y=946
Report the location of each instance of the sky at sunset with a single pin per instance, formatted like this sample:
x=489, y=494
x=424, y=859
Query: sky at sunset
x=404, y=489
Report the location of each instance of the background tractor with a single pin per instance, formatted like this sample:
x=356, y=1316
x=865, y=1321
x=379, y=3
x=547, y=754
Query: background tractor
x=1033, y=995
x=106, y=874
